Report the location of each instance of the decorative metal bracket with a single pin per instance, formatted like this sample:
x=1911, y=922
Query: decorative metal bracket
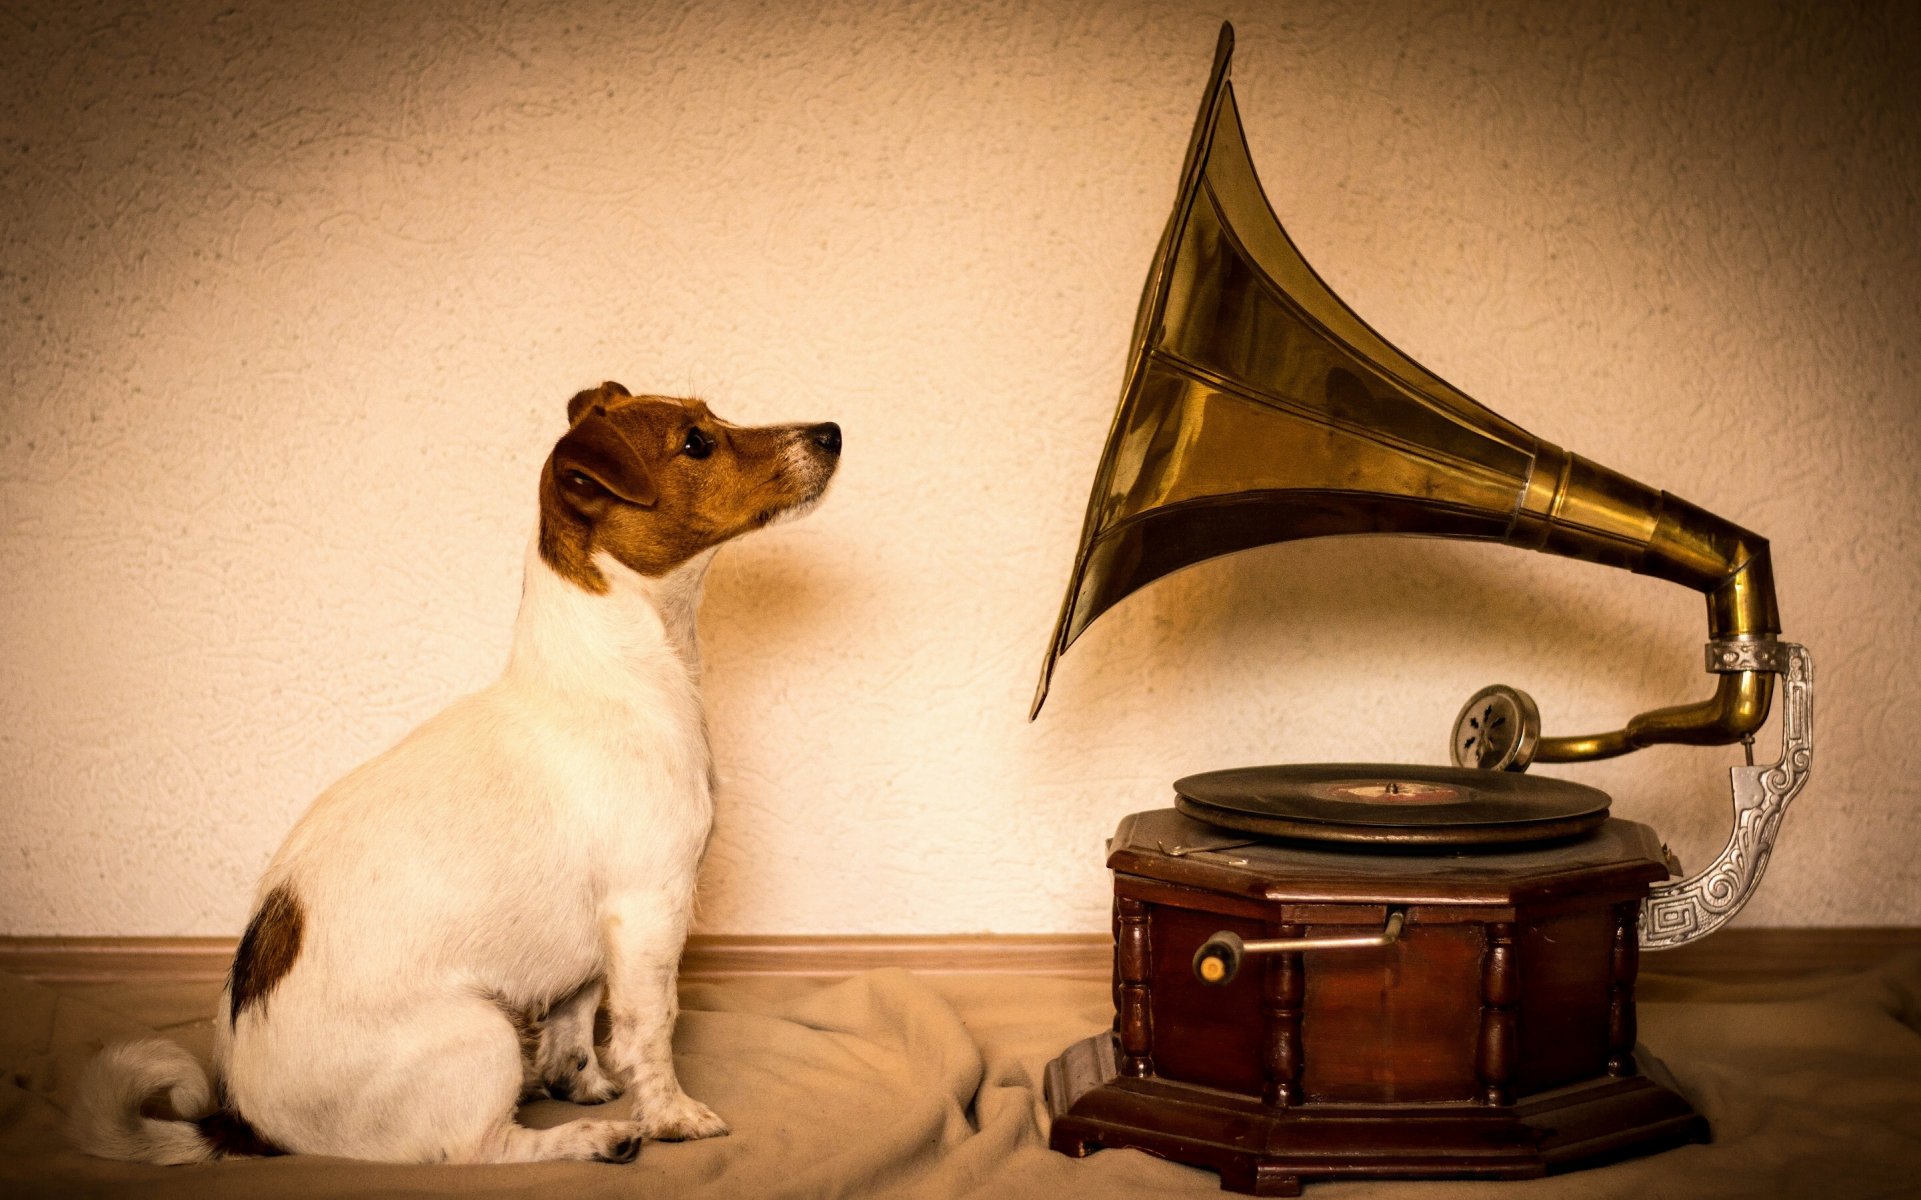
x=1680, y=912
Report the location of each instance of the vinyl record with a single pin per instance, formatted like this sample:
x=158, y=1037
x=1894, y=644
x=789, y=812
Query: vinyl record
x=1388, y=806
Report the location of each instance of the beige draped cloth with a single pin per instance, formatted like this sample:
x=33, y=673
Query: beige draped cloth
x=892, y=1084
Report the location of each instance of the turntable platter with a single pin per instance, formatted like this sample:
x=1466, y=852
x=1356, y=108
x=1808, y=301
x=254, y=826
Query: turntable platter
x=1368, y=804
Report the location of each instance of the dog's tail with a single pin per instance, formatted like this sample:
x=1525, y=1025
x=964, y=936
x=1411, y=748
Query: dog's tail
x=152, y=1102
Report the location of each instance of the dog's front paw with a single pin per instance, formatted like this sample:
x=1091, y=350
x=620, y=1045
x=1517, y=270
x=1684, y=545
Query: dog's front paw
x=578, y=1079
x=680, y=1118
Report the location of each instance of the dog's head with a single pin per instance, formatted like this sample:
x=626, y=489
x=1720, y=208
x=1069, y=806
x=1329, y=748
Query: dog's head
x=655, y=481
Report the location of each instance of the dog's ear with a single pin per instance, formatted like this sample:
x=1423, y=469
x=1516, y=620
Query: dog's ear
x=605, y=392
x=594, y=460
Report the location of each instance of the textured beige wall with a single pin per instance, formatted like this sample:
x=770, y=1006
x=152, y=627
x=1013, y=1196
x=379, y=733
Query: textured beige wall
x=293, y=297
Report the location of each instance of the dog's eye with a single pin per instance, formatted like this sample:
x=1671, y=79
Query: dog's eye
x=582, y=481
x=697, y=445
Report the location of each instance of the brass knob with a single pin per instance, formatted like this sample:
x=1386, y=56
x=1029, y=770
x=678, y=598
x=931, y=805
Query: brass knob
x=1219, y=959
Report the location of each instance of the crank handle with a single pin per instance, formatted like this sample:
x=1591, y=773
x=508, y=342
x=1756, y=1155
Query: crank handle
x=1219, y=958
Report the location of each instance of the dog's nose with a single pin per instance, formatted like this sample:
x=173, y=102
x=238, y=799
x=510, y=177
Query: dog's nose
x=826, y=436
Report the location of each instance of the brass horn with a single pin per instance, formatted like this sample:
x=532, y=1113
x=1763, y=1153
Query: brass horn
x=1257, y=408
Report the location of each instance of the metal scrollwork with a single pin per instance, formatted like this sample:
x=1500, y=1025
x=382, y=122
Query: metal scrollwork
x=1677, y=913
x=1728, y=655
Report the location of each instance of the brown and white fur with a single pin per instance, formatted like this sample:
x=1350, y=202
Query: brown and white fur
x=530, y=852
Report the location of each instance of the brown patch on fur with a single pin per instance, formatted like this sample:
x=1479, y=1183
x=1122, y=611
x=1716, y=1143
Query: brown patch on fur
x=620, y=481
x=231, y=1137
x=267, y=950
x=605, y=393
x=602, y=452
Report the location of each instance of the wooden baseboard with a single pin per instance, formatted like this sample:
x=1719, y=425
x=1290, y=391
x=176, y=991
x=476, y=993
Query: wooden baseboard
x=709, y=956
x=1751, y=953
x=1730, y=953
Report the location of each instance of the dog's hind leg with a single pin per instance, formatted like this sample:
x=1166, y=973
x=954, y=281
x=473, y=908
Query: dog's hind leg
x=565, y=1065
x=599, y=1141
x=433, y=1080
x=477, y=1089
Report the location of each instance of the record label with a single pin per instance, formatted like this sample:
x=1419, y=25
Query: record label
x=1390, y=792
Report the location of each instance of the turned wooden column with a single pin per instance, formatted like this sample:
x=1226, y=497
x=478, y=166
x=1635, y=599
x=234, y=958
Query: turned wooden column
x=1282, y=987
x=1500, y=1032
x=1624, y=965
x=1131, y=947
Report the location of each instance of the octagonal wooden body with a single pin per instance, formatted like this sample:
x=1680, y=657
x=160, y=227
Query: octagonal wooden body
x=1495, y=1038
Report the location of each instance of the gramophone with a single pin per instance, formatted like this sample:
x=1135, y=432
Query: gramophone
x=1358, y=970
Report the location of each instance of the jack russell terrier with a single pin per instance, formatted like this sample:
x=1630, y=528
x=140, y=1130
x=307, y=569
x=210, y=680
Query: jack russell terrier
x=521, y=858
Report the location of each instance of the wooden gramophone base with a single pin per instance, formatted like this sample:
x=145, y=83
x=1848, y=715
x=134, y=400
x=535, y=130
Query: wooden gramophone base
x=1490, y=1034
x=1269, y=1151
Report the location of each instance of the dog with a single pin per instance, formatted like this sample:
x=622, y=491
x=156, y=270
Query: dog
x=518, y=861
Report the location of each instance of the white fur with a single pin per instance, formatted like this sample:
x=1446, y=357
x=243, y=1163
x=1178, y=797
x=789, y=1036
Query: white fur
x=106, y=1120
x=533, y=843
